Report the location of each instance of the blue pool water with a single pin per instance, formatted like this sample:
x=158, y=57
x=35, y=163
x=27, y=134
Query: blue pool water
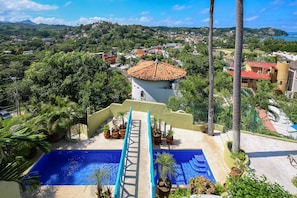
x=189, y=164
x=77, y=167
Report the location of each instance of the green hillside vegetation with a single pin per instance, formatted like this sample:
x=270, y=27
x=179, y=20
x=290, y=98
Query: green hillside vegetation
x=59, y=63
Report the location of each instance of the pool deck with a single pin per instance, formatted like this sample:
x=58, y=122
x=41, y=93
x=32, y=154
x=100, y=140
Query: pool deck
x=267, y=156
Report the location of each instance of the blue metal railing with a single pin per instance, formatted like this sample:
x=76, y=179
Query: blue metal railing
x=151, y=153
x=123, y=155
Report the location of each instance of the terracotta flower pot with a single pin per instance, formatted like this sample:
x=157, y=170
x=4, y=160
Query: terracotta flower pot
x=106, y=134
x=169, y=140
x=236, y=172
x=163, y=188
x=122, y=133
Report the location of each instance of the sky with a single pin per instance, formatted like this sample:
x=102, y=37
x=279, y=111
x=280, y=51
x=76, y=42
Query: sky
x=281, y=14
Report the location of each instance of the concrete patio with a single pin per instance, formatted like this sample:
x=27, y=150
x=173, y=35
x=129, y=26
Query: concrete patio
x=267, y=156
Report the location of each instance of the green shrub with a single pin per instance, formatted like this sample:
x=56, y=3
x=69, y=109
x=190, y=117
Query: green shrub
x=250, y=185
x=180, y=192
x=202, y=185
x=294, y=181
x=219, y=188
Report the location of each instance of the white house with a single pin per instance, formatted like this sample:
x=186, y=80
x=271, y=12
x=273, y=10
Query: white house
x=155, y=81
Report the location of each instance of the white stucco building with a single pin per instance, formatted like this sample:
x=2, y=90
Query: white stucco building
x=155, y=81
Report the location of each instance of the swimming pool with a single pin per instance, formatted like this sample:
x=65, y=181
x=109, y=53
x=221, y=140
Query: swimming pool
x=76, y=167
x=189, y=164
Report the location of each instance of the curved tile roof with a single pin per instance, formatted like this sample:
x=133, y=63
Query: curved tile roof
x=155, y=71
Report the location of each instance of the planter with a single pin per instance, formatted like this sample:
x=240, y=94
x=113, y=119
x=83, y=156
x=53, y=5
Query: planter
x=157, y=140
x=163, y=188
x=169, y=140
x=122, y=133
x=115, y=135
x=157, y=137
x=55, y=137
x=106, y=134
x=235, y=172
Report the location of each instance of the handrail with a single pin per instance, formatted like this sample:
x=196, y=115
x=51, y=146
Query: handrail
x=151, y=154
x=123, y=155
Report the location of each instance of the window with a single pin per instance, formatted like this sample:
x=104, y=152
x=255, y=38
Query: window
x=142, y=95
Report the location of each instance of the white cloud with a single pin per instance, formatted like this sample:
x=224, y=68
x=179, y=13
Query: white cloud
x=205, y=20
x=50, y=20
x=204, y=11
x=251, y=18
x=144, y=12
x=263, y=10
x=23, y=5
x=67, y=3
x=179, y=7
x=144, y=19
x=174, y=22
x=84, y=20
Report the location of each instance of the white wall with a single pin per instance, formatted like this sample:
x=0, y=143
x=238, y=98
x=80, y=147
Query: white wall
x=154, y=91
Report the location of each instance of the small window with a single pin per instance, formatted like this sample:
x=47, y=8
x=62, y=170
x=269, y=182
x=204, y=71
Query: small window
x=142, y=95
x=281, y=82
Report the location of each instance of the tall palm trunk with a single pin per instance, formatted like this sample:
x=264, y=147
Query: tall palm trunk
x=211, y=71
x=237, y=77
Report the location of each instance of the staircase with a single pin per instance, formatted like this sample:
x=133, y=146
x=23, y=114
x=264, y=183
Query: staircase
x=135, y=177
x=197, y=166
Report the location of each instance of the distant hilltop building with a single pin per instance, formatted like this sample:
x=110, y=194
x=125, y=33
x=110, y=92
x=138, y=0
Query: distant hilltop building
x=155, y=81
x=274, y=72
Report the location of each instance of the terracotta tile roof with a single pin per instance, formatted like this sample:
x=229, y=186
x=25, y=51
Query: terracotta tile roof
x=155, y=71
x=140, y=53
x=251, y=75
x=264, y=65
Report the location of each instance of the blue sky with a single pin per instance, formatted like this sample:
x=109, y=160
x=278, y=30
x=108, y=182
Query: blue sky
x=281, y=14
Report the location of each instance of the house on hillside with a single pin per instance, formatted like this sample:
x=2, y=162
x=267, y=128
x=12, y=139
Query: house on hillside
x=141, y=52
x=274, y=72
x=109, y=57
x=292, y=80
x=155, y=81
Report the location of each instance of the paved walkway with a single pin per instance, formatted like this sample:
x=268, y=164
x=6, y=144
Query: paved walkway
x=269, y=157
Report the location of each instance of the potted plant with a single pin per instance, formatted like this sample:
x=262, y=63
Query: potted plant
x=115, y=132
x=100, y=176
x=165, y=164
x=157, y=135
x=123, y=124
x=106, y=131
x=169, y=137
x=239, y=165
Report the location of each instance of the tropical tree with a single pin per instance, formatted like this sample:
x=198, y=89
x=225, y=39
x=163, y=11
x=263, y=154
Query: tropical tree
x=211, y=71
x=237, y=77
x=13, y=134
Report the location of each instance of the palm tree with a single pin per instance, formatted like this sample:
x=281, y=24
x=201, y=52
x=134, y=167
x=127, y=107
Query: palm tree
x=57, y=117
x=237, y=77
x=165, y=163
x=211, y=71
x=12, y=165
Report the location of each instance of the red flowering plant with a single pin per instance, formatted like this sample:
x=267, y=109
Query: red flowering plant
x=202, y=185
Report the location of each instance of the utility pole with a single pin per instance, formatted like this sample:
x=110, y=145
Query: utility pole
x=16, y=95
